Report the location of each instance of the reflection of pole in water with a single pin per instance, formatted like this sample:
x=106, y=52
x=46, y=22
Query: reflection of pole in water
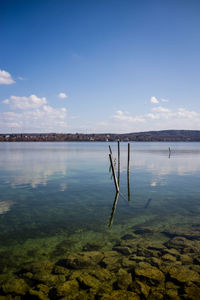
x=148, y=202
x=169, y=152
x=113, y=173
x=118, y=142
x=113, y=209
x=128, y=185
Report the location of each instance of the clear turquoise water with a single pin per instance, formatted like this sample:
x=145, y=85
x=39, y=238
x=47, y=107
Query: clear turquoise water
x=55, y=192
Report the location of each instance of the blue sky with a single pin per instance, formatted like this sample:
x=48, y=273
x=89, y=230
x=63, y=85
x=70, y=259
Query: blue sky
x=99, y=66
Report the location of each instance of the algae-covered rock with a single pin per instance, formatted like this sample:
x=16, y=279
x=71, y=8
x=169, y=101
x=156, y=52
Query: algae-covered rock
x=140, y=288
x=82, y=260
x=172, y=251
x=121, y=295
x=48, y=278
x=69, y=287
x=137, y=258
x=169, y=258
x=61, y=270
x=129, y=236
x=112, y=260
x=171, y=285
x=124, y=279
x=183, y=274
x=172, y=294
x=123, y=250
x=38, y=267
x=128, y=264
x=141, y=251
x=154, y=261
x=155, y=295
x=183, y=245
x=15, y=286
x=36, y=294
x=143, y=231
x=186, y=259
x=87, y=281
x=91, y=247
x=192, y=293
x=101, y=274
x=151, y=275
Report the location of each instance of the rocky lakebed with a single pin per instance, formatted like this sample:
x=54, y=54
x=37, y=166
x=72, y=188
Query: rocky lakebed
x=136, y=267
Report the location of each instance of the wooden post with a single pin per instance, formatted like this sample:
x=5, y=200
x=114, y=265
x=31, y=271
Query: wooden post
x=118, y=142
x=110, y=149
x=128, y=184
x=128, y=165
x=113, y=172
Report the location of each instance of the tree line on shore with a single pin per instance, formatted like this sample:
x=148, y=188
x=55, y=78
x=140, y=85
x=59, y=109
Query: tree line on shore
x=148, y=136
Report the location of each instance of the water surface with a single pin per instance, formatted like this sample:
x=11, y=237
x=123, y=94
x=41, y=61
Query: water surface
x=53, y=193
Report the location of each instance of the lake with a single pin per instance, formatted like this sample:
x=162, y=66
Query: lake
x=58, y=200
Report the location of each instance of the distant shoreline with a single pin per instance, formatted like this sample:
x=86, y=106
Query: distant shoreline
x=147, y=136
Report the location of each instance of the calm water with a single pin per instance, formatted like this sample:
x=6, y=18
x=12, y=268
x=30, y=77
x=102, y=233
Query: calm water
x=54, y=193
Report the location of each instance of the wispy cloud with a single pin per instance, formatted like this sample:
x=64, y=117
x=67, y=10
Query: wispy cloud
x=62, y=95
x=35, y=115
x=154, y=100
x=124, y=116
x=160, y=109
x=5, y=77
x=24, y=103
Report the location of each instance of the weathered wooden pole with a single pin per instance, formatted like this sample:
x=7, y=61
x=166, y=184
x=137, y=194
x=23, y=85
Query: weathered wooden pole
x=113, y=172
x=110, y=149
x=118, y=143
x=128, y=164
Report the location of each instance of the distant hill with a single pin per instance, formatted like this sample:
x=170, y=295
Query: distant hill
x=148, y=136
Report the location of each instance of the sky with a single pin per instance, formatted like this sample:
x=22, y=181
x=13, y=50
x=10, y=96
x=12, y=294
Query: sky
x=99, y=66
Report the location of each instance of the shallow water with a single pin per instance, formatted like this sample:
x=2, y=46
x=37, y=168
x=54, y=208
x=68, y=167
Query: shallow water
x=57, y=198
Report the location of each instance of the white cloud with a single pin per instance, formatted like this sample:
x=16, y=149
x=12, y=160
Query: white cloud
x=44, y=119
x=161, y=109
x=62, y=95
x=154, y=100
x=35, y=115
x=124, y=116
x=164, y=100
x=21, y=78
x=25, y=103
x=5, y=77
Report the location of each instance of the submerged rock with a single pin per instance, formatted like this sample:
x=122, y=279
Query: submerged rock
x=82, y=260
x=192, y=293
x=169, y=258
x=183, y=274
x=112, y=260
x=121, y=295
x=15, y=286
x=150, y=274
x=143, y=231
x=69, y=287
x=129, y=236
x=87, y=281
x=124, y=279
x=91, y=247
x=122, y=250
x=140, y=288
